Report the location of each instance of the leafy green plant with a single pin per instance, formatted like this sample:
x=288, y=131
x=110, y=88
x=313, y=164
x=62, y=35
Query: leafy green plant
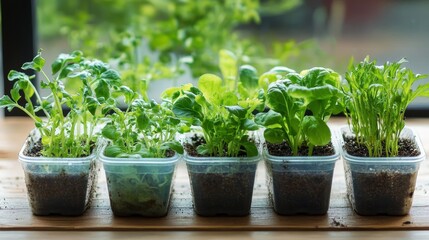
x=73, y=134
x=144, y=130
x=376, y=98
x=225, y=120
x=316, y=90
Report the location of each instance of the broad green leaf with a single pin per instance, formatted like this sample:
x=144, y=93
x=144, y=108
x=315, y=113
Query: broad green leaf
x=175, y=146
x=269, y=118
x=143, y=121
x=251, y=149
x=113, y=151
x=249, y=125
x=37, y=63
x=183, y=107
x=111, y=76
x=210, y=84
x=316, y=130
x=248, y=76
x=109, y=131
x=266, y=79
x=237, y=111
x=277, y=97
x=15, y=92
x=6, y=102
x=102, y=90
x=228, y=66
x=274, y=135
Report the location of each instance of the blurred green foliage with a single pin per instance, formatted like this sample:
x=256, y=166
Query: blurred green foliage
x=155, y=39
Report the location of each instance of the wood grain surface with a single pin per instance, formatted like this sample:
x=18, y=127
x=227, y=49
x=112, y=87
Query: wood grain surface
x=16, y=215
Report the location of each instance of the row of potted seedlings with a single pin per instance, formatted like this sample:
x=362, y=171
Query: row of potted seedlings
x=218, y=122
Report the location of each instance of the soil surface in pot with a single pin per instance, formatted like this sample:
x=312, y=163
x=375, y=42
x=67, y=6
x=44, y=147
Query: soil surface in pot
x=407, y=148
x=282, y=149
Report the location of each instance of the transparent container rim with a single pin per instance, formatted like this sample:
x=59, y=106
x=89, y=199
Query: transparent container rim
x=209, y=160
x=391, y=160
x=306, y=159
x=137, y=161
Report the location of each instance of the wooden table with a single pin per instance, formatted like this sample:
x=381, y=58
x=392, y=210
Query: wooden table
x=182, y=223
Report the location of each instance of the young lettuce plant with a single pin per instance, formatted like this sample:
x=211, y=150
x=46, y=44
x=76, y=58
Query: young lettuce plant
x=316, y=90
x=224, y=119
x=376, y=98
x=144, y=130
x=71, y=135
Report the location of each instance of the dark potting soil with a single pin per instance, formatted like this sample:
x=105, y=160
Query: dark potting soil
x=407, y=148
x=222, y=193
x=63, y=194
x=301, y=192
x=283, y=149
x=191, y=147
x=382, y=192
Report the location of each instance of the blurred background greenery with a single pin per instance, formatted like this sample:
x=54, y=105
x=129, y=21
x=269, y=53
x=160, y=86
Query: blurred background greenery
x=159, y=43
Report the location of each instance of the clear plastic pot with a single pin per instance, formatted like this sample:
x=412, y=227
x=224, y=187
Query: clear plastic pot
x=222, y=185
x=382, y=185
x=140, y=186
x=300, y=184
x=59, y=186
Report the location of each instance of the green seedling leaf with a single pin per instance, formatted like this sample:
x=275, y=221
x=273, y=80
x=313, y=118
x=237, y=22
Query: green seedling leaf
x=113, y=151
x=251, y=149
x=110, y=132
x=248, y=76
x=210, y=84
x=6, y=102
x=237, y=111
x=227, y=65
x=175, y=146
x=183, y=108
x=143, y=121
x=274, y=135
x=266, y=79
x=269, y=118
x=102, y=90
x=37, y=63
x=14, y=75
x=249, y=125
x=316, y=130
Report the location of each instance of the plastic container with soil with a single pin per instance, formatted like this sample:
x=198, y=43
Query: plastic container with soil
x=382, y=185
x=59, y=186
x=300, y=184
x=222, y=185
x=139, y=186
